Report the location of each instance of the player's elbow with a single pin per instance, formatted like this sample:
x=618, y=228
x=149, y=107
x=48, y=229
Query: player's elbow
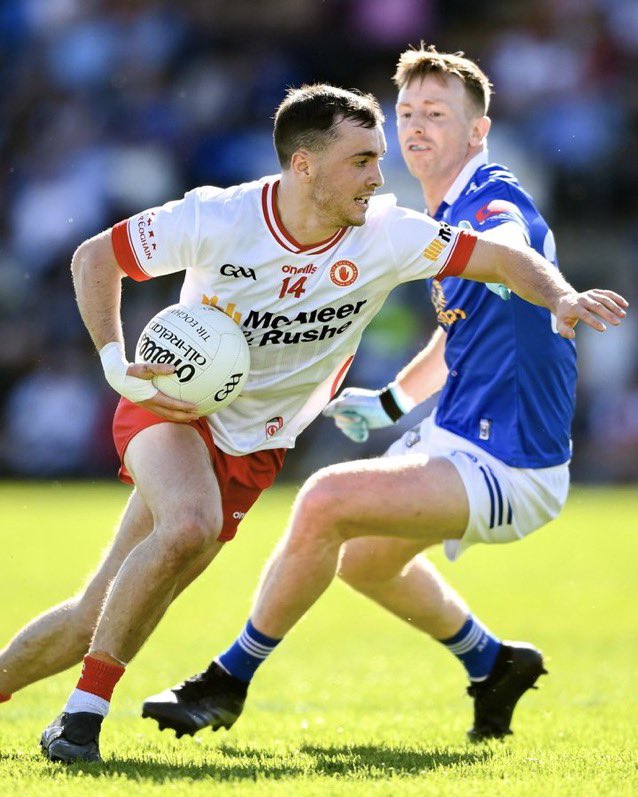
x=94, y=254
x=78, y=261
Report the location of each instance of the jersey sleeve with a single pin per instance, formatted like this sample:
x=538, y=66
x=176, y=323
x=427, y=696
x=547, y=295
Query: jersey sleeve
x=500, y=204
x=160, y=240
x=424, y=248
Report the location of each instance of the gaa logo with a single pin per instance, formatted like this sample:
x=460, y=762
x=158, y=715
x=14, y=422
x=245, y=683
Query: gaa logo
x=274, y=425
x=228, y=270
x=344, y=273
x=228, y=388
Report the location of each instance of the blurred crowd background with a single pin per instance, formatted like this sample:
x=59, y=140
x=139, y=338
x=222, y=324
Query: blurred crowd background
x=111, y=106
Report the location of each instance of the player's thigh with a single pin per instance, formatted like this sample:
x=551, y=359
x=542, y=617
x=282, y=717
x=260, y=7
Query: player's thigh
x=399, y=496
x=373, y=559
x=173, y=472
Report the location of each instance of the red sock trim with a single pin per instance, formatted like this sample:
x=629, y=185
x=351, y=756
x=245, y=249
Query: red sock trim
x=99, y=677
x=4, y=698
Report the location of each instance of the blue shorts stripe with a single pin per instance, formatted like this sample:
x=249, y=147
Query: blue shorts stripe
x=491, y=492
x=509, y=513
x=499, y=495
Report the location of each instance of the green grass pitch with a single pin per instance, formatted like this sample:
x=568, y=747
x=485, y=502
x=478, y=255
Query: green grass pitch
x=353, y=702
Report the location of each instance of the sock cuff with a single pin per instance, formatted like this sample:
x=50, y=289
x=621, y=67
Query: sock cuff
x=99, y=677
x=262, y=639
x=475, y=647
x=461, y=633
x=86, y=702
x=247, y=652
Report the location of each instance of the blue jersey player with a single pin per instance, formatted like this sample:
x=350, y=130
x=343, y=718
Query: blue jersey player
x=491, y=465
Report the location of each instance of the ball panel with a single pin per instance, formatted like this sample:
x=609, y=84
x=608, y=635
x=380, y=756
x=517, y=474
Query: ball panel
x=208, y=349
x=165, y=341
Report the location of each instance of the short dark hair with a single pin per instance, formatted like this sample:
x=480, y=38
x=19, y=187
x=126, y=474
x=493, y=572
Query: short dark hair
x=417, y=64
x=308, y=117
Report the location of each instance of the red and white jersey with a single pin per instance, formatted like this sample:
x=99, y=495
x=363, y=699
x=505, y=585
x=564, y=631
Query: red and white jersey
x=302, y=308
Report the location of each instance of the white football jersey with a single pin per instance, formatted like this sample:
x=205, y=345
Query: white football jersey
x=302, y=308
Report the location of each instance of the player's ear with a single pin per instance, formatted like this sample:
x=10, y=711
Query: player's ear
x=300, y=165
x=480, y=129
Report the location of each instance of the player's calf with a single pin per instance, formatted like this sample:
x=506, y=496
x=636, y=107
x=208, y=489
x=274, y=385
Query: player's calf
x=49, y=644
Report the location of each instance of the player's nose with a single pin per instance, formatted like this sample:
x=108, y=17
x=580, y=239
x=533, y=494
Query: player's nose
x=376, y=178
x=416, y=124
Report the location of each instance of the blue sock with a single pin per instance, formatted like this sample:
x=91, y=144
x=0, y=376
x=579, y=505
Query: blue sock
x=247, y=652
x=475, y=647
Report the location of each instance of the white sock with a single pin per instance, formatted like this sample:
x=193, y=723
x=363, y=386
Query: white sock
x=86, y=701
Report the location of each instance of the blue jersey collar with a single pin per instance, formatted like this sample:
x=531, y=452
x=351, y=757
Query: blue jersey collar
x=462, y=179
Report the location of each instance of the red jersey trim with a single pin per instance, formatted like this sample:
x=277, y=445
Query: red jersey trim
x=125, y=254
x=279, y=232
x=459, y=256
x=340, y=376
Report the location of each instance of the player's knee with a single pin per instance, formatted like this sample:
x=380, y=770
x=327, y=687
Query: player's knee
x=191, y=534
x=320, y=503
x=316, y=519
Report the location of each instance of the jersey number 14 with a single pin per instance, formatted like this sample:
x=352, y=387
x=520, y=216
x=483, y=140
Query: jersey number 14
x=296, y=289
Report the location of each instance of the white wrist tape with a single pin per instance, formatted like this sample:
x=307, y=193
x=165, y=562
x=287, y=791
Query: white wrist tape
x=404, y=402
x=115, y=367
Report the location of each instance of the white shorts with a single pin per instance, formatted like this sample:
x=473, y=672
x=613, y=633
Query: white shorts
x=506, y=503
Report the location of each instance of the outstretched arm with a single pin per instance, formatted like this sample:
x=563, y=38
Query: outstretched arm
x=534, y=279
x=97, y=279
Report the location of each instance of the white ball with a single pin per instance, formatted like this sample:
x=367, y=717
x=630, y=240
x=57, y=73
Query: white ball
x=207, y=348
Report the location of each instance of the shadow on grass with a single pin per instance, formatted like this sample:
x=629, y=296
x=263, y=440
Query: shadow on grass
x=237, y=763
x=379, y=761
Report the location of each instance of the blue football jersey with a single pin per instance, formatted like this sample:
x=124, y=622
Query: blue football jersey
x=512, y=379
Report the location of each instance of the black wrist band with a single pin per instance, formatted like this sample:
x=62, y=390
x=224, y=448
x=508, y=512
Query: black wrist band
x=390, y=406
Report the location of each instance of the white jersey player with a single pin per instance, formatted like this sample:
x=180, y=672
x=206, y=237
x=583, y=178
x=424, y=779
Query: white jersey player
x=251, y=250
x=303, y=308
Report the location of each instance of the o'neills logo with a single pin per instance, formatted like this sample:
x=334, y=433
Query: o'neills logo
x=344, y=273
x=274, y=425
x=309, y=269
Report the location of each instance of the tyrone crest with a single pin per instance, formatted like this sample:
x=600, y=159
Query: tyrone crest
x=344, y=273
